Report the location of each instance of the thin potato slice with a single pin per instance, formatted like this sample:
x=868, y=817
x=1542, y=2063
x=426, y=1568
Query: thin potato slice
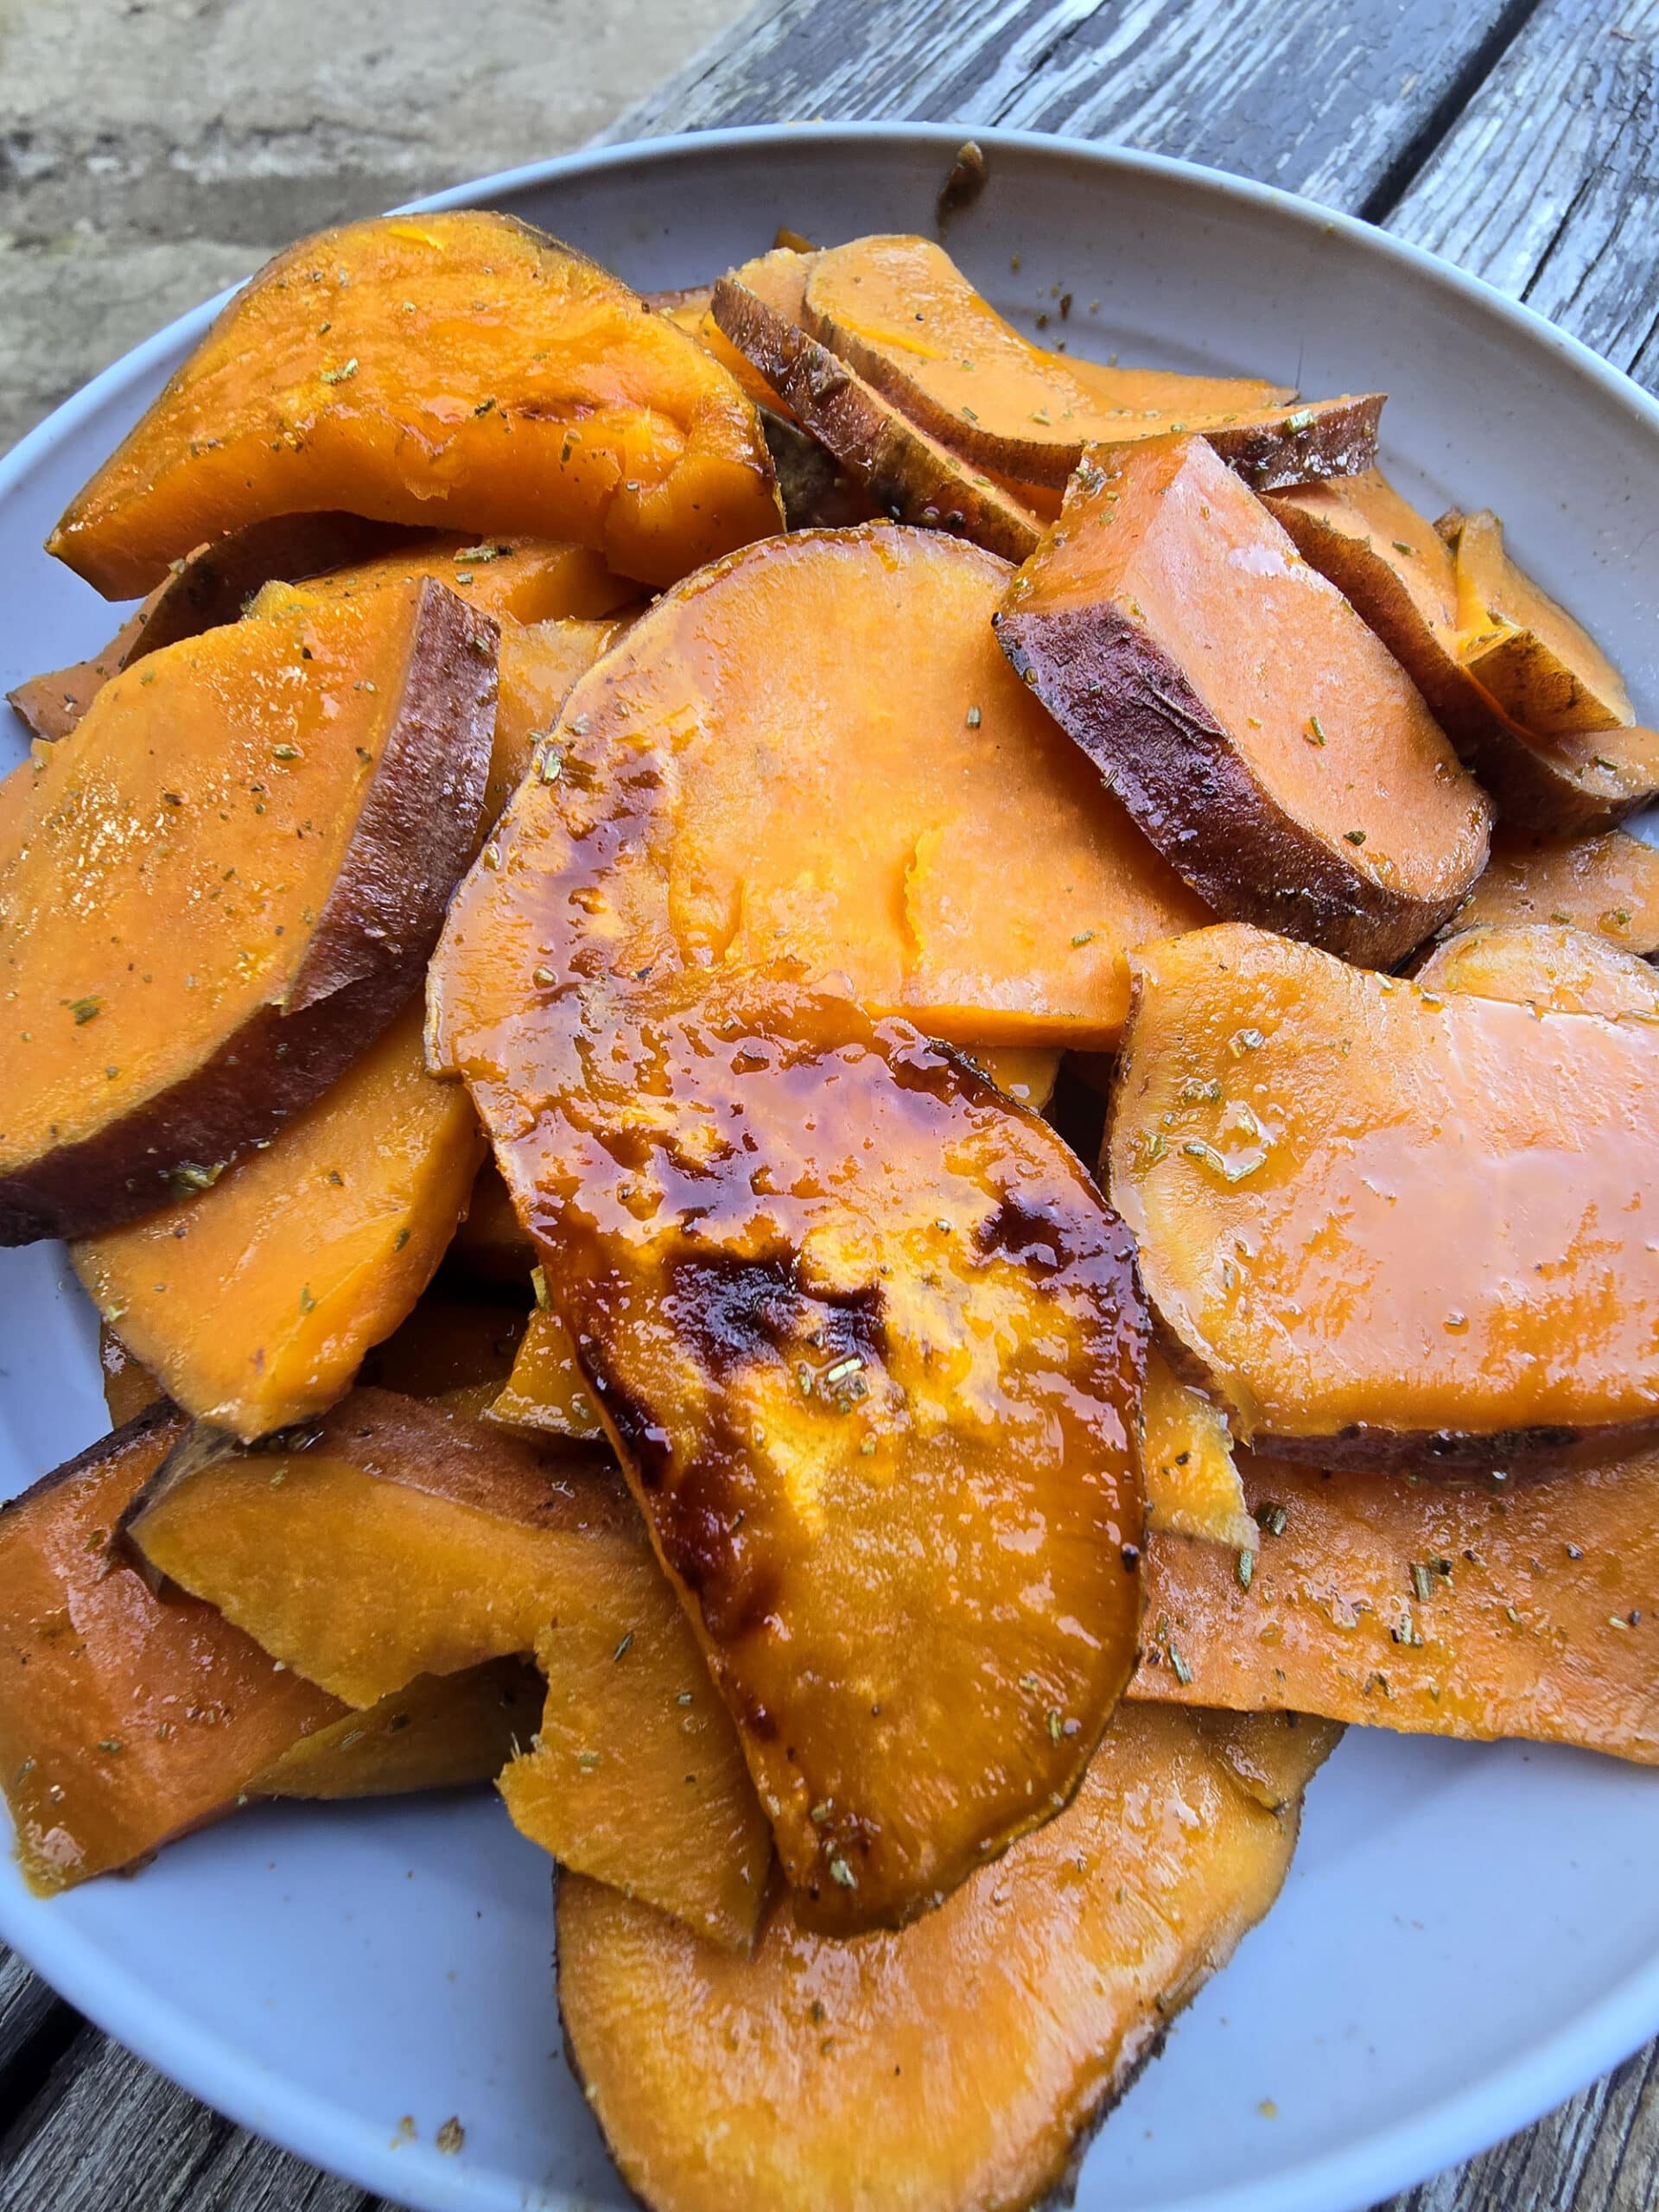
x=1520, y=646
x=441, y=1733
x=1541, y=964
x=547, y=1393
x=1391, y=1226
x=130, y=1389
x=459, y=370
x=541, y=665
x=253, y=1300
x=957, y=2064
x=906, y=473
x=1192, y=1486
x=512, y=580
x=1261, y=736
x=887, y=809
x=1608, y=884
x=221, y=886
x=1448, y=1608
x=403, y=1541
x=1028, y=1074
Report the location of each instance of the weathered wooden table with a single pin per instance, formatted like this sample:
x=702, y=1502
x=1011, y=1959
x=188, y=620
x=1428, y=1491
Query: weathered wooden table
x=1517, y=139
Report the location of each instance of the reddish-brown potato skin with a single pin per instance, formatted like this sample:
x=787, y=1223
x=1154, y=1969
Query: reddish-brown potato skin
x=415, y=833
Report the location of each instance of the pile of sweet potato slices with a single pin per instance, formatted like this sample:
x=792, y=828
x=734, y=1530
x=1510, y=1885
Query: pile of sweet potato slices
x=844, y=1211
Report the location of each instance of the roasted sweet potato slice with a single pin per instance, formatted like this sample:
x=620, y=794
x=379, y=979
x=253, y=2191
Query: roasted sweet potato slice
x=1187, y=1454
x=1540, y=963
x=456, y=1351
x=1265, y=741
x=900, y=311
x=547, y=1393
x=1542, y=666
x=253, y=1300
x=1393, y=567
x=129, y=1385
x=946, y=851
x=403, y=1541
x=218, y=889
x=907, y=473
x=956, y=2064
x=512, y=580
x=541, y=664
x=1026, y=1073
x=1449, y=1608
x=1389, y=1225
x=441, y=1733
x=459, y=370
x=1608, y=884
x=809, y=1366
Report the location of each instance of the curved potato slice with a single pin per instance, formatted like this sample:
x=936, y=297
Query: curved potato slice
x=458, y=370
x=1520, y=646
x=1193, y=1486
x=547, y=1393
x=441, y=1733
x=1609, y=885
x=1541, y=964
x=959, y=2064
x=1263, y=737
x=1391, y=1227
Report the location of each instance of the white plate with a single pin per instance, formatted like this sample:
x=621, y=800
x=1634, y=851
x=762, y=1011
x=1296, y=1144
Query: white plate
x=1468, y=1935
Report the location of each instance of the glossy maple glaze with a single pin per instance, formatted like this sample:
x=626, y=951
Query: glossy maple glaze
x=1608, y=884
x=1361, y=1206
x=254, y=1301
x=1186, y=1455
x=1558, y=970
x=461, y=371
x=1446, y=1607
x=889, y=812
x=956, y=2064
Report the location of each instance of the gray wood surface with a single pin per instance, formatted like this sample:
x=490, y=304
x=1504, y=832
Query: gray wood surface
x=1516, y=139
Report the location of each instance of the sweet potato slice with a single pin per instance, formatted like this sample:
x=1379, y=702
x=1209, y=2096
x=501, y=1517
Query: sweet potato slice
x=1265, y=741
x=908, y=474
x=124, y=1720
x=810, y=1364
x=1186, y=1455
x=1451, y=1608
x=218, y=889
x=1608, y=884
x=129, y=1385
x=959, y=2064
x=1028, y=1075
x=459, y=370
x=900, y=311
x=547, y=1392
x=889, y=808
x=254, y=1301
x=512, y=580
x=1390, y=1226
x=1542, y=965
x=441, y=1733
x=403, y=1541
x=541, y=665
x=1526, y=650
x=456, y=1351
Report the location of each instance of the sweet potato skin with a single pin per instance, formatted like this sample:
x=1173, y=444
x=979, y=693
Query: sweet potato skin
x=960, y=2063
x=579, y=413
x=1230, y=823
x=414, y=833
x=1320, y=1166
x=1471, y=1609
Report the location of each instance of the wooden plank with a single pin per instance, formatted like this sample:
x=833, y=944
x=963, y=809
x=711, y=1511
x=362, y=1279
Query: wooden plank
x=1321, y=98
x=1547, y=184
x=26, y=2007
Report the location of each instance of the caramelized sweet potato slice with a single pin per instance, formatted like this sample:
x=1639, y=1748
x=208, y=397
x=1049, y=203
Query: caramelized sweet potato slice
x=130, y=1389
x=908, y=474
x=253, y=1300
x=1450, y=1608
x=810, y=1365
x=1608, y=884
x=405, y=1542
x=217, y=889
x=900, y=311
x=1542, y=965
x=1526, y=650
x=473, y=372
x=125, y=1720
x=1265, y=741
x=547, y=1392
x=440, y=1732
x=945, y=850
x=956, y=2064
x=1389, y=1226
x=1186, y=1455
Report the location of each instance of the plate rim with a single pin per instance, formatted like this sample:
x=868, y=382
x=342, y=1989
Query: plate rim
x=1456, y=2126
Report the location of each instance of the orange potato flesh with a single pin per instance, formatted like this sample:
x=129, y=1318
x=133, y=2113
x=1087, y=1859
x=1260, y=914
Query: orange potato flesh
x=1027, y=1076
x=253, y=1301
x=1263, y=737
x=1187, y=1456
x=440, y=1732
x=406, y=1541
x=541, y=665
x=957, y=2064
x=889, y=809
x=1542, y=965
x=1385, y=1220
x=901, y=313
x=460, y=371
x=547, y=1392
x=220, y=888
x=129, y=1388
x=1540, y=664
x=1446, y=1607
x=509, y=579
x=125, y=1720
x=1608, y=884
